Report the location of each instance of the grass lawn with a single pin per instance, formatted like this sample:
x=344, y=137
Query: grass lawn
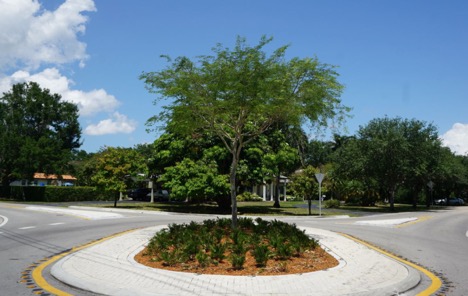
x=289, y=208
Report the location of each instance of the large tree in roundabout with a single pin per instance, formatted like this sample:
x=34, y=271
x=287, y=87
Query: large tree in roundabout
x=238, y=94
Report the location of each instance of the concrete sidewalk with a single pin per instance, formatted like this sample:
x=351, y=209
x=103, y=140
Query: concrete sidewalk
x=109, y=268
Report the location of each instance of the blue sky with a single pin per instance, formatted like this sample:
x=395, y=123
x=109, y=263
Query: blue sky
x=396, y=58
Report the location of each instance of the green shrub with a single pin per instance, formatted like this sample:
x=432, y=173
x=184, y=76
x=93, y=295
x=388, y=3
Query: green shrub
x=294, y=198
x=332, y=204
x=261, y=253
x=237, y=261
x=248, y=196
x=203, y=259
x=59, y=193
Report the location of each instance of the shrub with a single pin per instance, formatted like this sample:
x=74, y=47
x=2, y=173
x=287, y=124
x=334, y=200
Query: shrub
x=59, y=193
x=248, y=196
x=237, y=260
x=332, y=204
x=261, y=254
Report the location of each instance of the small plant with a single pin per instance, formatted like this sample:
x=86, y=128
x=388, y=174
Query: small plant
x=237, y=260
x=203, y=259
x=283, y=251
x=261, y=254
x=172, y=257
x=218, y=251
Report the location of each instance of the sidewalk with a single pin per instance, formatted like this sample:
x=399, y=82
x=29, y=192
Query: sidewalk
x=108, y=268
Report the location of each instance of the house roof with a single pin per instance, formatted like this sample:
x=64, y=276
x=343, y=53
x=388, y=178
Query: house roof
x=44, y=176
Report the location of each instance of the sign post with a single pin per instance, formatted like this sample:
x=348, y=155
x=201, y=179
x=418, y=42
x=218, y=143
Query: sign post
x=320, y=177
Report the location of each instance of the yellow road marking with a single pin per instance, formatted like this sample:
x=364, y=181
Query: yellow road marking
x=419, y=219
x=37, y=272
x=436, y=283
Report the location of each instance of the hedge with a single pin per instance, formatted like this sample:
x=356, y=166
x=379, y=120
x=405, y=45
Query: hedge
x=59, y=193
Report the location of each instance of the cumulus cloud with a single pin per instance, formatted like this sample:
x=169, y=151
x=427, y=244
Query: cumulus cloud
x=119, y=123
x=31, y=36
x=457, y=138
x=35, y=43
x=89, y=103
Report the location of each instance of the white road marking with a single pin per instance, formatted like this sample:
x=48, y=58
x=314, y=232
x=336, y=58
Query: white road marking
x=27, y=227
x=91, y=215
x=5, y=220
x=388, y=223
x=466, y=233
x=58, y=223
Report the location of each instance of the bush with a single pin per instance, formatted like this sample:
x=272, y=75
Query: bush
x=59, y=194
x=248, y=196
x=332, y=204
x=294, y=198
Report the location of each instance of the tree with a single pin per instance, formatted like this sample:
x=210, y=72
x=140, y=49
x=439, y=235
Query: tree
x=239, y=94
x=196, y=181
x=113, y=168
x=280, y=158
x=305, y=184
x=397, y=151
x=38, y=132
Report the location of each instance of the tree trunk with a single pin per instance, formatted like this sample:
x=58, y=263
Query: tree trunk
x=392, y=200
x=277, y=192
x=232, y=181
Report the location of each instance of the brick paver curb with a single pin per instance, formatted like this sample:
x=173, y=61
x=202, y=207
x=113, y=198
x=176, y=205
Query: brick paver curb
x=109, y=268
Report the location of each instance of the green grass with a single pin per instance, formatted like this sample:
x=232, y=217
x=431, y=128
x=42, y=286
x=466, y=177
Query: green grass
x=289, y=208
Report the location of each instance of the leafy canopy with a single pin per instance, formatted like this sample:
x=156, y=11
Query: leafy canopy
x=239, y=94
x=38, y=132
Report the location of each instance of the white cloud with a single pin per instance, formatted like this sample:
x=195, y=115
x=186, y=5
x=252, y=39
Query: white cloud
x=89, y=103
x=119, y=123
x=457, y=138
x=31, y=36
x=35, y=41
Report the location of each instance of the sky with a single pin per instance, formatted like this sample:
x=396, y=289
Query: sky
x=396, y=58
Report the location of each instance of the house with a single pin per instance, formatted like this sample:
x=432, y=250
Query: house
x=267, y=190
x=51, y=179
x=42, y=179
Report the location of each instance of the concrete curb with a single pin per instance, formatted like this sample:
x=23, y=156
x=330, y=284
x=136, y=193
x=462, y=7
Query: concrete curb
x=108, y=268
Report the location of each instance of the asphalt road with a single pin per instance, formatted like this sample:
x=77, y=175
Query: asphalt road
x=438, y=241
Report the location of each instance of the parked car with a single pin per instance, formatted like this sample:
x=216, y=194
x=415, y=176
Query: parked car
x=161, y=195
x=138, y=193
x=452, y=201
x=456, y=201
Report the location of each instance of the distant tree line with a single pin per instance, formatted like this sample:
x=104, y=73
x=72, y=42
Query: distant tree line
x=237, y=119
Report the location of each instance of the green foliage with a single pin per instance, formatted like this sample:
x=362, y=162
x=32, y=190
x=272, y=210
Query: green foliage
x=240, y=94
x=304, y=183
x=59, y=193
x=208, y=242
x=388, y=153
x=248, y=196
x=332, y=204
x=261, y=253
x=237, y=260
x=203, y=259
x=115, y=168
x=195, y=181
x=38, y=132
